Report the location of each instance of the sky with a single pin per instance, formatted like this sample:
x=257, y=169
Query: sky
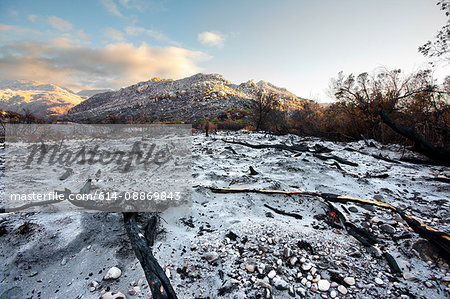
x=296, y=44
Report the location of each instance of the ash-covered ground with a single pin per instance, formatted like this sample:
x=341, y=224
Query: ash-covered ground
x=232, y=246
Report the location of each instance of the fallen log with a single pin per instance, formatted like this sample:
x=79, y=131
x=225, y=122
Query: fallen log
x=291, y=148
x=157, y=280
x=440, y=239
x=334, y=157
x=281, y=212
x=421, y=145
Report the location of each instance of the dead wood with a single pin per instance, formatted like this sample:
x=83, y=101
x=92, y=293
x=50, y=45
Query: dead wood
x=440, y=239
x=291, y=148
x=157, y=280
x=334, y=157
x=281, y=212
x=253, y=171
x=421, y=145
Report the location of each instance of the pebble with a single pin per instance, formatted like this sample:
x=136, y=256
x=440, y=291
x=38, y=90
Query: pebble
x=323, y=285
x=307, y=267
x=409, y=276
x=113, y=295
x=446, y=278
x=301, y=291
x=250, y=267
x=272, y=274
x=211, y=256
x=113, y=273
x=353, y=209
x=387, y=228
x=293, y=261
x=379, y=281
x=280, y=284
x=342, y=290
x=350, y=281
x=64, y=261
x=429, y=284
x=333, y=294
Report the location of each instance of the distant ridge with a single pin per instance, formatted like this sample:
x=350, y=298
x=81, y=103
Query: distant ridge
x=197, y=96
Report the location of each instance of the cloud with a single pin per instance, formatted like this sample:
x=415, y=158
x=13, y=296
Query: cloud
x=211, y=39
x=133, y=31
x=59, y=24
x=32, y=18
x=76, y=67
x=111, y=7
x=114, y=35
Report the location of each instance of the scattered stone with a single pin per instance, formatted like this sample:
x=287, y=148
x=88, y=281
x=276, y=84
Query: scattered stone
x=64, y=261
x=94, y=284
x=293, y=260
x=445, y=278
x=307, y=266
x=350, y=281
x=353, y=209
x=280, y=284
x=211, y=256
x=263, y=284
x=342, y=289
x=113, y=295
x=409, y=276
x=272, y=274
x=291, y=291
x=287, y=252
x=429, y=284
x=387, y=228
x=113, y=273
x=323, y=285
x=250, y=267
x=379, y=281
x=333, y=294
x=301, y=291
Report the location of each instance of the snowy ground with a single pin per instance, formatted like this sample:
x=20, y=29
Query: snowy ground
x=253, y=252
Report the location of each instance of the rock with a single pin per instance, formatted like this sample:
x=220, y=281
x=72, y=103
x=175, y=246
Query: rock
x=428, y=284
x=272, y=274
x=64, y=261
x=426, y=250
x=342, y=289
x=250, y=268
x=350, y=281
x=263, y=284
x=387, y=228
x=113, y=295
x=333, y=294
x=293, y=260
x=261, y=268
x=445, y=278
x=353, y=209
x=307, y=266
x=379, y=281
x=287, y=252
x=113, y=273
x=409, y=276
x=323, y=285
x=280, y=284
x=211, y=256
x=301, y=291
x=291, y=291
x=94, y=284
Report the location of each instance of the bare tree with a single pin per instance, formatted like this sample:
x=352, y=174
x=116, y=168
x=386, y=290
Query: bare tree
x=263, y=108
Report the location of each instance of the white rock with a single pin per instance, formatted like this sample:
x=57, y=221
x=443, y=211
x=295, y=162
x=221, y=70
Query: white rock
x=307, y=267
x=342, y=290
x=333, y=294
x=113, y=273
x=323, y=285
x=379, y=281
x=350, y=281
x=272, y=274
x=293, y=260
x=113, y=295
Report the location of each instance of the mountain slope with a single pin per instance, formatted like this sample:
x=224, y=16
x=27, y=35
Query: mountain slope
x=37, y=98
x=201, y=95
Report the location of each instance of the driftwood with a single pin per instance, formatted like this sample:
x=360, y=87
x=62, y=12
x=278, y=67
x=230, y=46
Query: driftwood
x=439, y=239
x=281, y=212
x=142, y=242
x=421, y=145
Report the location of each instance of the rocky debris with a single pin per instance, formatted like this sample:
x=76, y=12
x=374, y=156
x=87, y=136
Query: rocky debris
x=379, y=281
x=211, y=256
x=350, y=281
x=387, y=228
x=250, y=267
x=280, y=284
x=342, y=289
x=113, y=295
x=323, y=285
x=113, y=273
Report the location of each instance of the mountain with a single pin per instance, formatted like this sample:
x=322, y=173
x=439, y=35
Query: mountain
x=87, y=93
x=198, y=96
x=40, y=99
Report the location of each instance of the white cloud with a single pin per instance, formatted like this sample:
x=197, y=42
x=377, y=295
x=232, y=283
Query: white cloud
x=111, y=7
x=76, y=67
x=32, y=18
x=59, y=24
x=133, y=31
x=211, y=39
x=114, y=35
